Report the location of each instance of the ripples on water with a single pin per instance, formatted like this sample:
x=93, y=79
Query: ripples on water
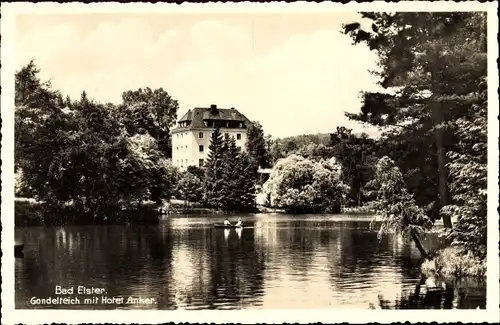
x=275, y=262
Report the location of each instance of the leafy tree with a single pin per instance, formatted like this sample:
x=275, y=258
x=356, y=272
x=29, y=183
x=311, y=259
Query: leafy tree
x=300, y=185
x=256, y=145
x=356, y=153
x=151, y=111
x=189, y=188
x=431, y=63
x=79, y=153
x=41, y=129
x=311, y=146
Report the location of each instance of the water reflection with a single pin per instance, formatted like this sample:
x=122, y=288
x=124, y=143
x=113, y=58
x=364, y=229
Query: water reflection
x=435, y=293
x=276, y=262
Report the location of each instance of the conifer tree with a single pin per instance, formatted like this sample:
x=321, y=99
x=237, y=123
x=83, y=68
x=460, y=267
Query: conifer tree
x=214, y=182
x=433, y=63
x=229, y=174
x=245, y=180
x=256, y=145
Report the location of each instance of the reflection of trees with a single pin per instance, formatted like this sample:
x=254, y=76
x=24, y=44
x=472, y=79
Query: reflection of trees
x=123, y=260
x=440, y=294
x=186, y=265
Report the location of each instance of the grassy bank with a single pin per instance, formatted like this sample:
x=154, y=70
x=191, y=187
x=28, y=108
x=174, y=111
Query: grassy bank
x=454, y=262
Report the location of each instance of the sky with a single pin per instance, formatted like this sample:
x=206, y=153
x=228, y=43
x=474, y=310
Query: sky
x=295, y=73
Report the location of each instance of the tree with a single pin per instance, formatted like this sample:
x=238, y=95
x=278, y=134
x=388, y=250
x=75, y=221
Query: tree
x=78, y=153
x=356, y=153
x=151, y=111
x=397, y=206
x=468, y=179
x=41, y=129
x=196, y=171
x=300, y=185
x=189, y=188
x=230, y=177
x=246, y=179
x=256, y=145
x=432, y=63
x=214, y=182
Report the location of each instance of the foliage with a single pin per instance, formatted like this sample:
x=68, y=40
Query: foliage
x=311, y=146
x=256, y=145
x=430, y=64
x=468, y=175
x=398, y=208
x=149, y=111
x=245, y=184
x=456, y=262
x=189, y=188
x=230, y=176
x=80, y=153
x=214, y=182
x=357, y=154
x=196, y=171
x=229, y=173
x=300, y=185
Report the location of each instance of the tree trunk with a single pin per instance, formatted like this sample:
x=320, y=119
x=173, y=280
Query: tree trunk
x=437, y=115
x=418, y=244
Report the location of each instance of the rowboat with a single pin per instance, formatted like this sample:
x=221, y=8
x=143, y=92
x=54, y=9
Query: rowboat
x=227, y=226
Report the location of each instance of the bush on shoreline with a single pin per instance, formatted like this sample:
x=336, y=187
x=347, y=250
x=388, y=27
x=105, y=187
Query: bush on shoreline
x=455, y=262
x=40, y=214
x=365, y=210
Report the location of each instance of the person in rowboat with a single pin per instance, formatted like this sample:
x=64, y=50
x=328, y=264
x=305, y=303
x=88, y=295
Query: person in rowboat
x=238, y=224
x=226, y=222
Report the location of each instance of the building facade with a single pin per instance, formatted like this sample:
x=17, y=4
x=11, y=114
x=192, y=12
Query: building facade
x=191, y=137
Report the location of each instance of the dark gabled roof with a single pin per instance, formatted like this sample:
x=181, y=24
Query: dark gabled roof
x=199, y=114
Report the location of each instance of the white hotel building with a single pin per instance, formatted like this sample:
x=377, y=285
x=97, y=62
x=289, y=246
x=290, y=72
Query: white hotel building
x=191, y=137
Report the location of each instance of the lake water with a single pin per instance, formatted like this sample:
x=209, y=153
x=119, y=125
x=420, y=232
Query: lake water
x=276, y=261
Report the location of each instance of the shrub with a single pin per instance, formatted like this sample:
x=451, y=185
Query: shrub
x=454, y=261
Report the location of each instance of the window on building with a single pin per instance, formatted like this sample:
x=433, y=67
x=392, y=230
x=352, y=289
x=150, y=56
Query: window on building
x=200, y=162
x=241, y=125
x=201, y=148
x=226, y=135
x=238, y=136
x=200, y=135
x=177, y=148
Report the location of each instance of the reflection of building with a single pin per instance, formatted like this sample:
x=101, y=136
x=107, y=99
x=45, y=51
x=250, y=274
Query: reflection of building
x=190, y=140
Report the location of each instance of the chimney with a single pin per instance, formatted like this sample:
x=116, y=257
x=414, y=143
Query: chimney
x=213, y=108
x=232, y=107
